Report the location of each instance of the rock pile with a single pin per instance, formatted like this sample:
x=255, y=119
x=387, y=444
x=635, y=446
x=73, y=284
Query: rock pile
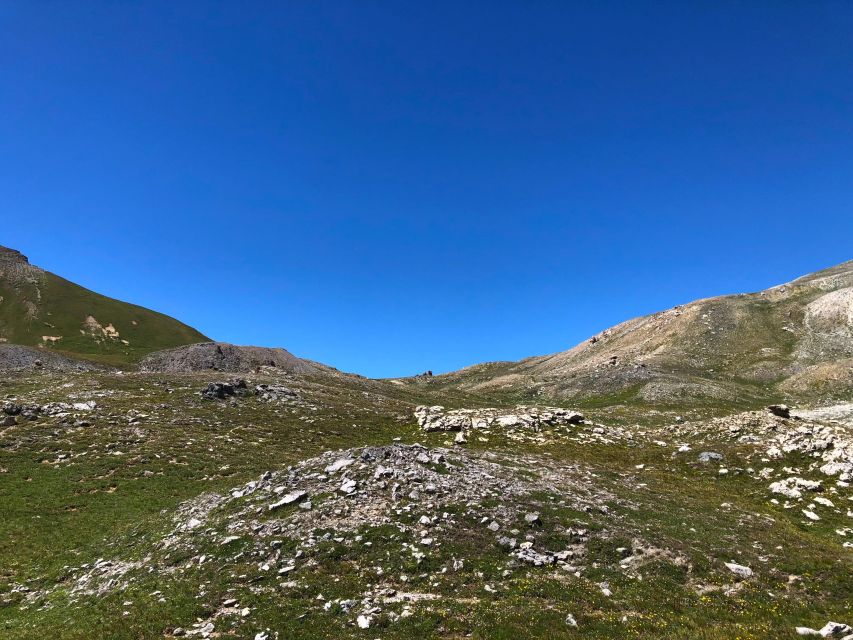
x=404, y=485
x=33, y=412
x=18, y=358
x=829, y=445
x=220, y=356
x=275, y=393
x=282, y=520
x=239, y=387
x=223, y=390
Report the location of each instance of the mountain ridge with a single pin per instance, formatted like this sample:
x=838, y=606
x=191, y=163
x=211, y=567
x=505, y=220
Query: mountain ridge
x=793, y=339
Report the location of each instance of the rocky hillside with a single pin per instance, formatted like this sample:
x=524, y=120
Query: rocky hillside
x=39, y=309
x=794, y=340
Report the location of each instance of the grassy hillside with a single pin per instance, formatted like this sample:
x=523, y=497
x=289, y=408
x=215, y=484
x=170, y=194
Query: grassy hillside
x=43, y=310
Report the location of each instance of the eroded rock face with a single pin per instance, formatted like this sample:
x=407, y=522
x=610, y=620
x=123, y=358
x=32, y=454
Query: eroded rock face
x=832, y=312
x=437, y=418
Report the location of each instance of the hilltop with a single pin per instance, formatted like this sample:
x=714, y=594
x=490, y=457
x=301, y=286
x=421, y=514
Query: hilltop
x=42, y=310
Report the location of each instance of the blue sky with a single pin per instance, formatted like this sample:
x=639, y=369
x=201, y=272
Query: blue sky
x=391, y=187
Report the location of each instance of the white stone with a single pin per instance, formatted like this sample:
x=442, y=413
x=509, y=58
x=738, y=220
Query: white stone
x=834, y=630
x=739, y=570
x=290, y=498
x=339, y=464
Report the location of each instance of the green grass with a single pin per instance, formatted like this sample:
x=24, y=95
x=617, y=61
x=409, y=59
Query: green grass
x=62, y=308
x=104, y=505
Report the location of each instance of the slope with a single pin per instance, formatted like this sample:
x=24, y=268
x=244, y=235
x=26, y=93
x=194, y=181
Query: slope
x=40, y=309
x=792, y=340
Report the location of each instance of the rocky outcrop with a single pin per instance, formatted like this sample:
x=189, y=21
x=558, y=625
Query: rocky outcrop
x=828, y=447
x=16, y=267
x=239, y=387
x=437, y=418
x=221, y=356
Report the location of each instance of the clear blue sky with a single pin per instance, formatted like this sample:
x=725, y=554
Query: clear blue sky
x=390, y=187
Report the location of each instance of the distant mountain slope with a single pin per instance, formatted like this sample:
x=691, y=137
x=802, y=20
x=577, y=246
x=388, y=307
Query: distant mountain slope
x=40, y=309
x=794, y=339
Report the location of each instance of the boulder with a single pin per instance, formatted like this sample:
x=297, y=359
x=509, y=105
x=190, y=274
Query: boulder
x=834, y=630
x=739, y=570
x=708, y=456
x=780, y=410
x=12, y=409
x=222, y=390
